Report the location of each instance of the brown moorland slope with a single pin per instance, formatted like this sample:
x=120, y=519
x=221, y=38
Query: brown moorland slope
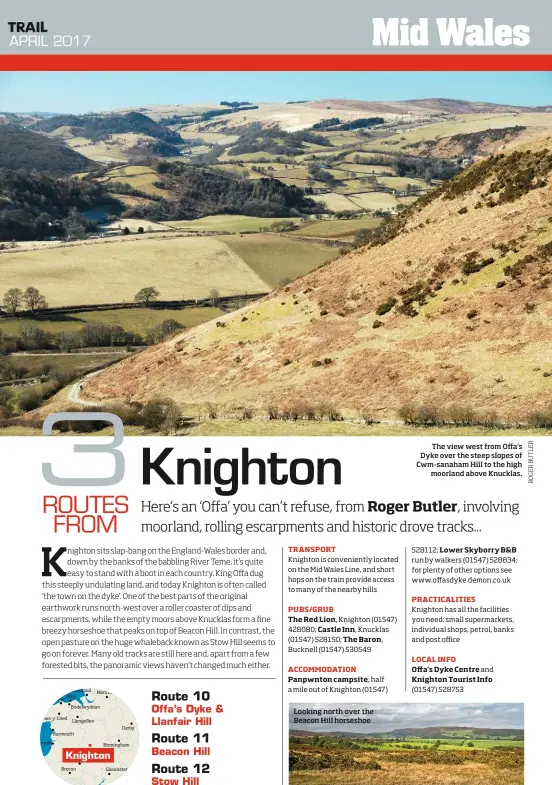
x=451, y=305
x=478, y=144
x=424, y=106
x=457, y=106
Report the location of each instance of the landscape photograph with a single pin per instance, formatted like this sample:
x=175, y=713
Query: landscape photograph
x=237, y=254
x=406, y=744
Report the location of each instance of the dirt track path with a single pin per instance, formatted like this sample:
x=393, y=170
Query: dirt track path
x=75, y=397
x=75, y=390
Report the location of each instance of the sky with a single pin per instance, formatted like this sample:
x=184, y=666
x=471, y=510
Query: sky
x=75, y=92
x=394, y=716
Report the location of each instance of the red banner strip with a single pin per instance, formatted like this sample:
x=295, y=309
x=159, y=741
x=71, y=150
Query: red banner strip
x=276, y=62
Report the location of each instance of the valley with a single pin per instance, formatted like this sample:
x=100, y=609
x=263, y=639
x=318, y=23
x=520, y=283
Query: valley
x=229, y=258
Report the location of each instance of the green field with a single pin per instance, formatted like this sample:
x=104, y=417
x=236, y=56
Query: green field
x=277, y=257
x=107, y=272
x=449, y=743
x=365, y=170
x=401, y=183
x=373, y=200
x=341, y=174
x=336, y=228
x=208, y=136
x=96, y=152
x=289, y=172
x=341, y=138
x=72, y=363
x=225, y=223
x=138, y=320
x=406, y=200
x=335, y=202
x=140, y=177
x=252, y=157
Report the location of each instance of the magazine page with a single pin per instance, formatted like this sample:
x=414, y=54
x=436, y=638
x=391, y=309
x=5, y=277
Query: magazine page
x=275, y=392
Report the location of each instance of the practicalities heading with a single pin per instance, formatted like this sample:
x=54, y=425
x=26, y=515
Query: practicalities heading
x=227, y=474
x=448, y=31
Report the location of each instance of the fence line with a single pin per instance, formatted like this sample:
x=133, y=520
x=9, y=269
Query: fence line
x=202, y=302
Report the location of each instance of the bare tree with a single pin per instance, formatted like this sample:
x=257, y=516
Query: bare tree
x=74, y=226
x=12, y=300
x=146, y=295
x=33, y=299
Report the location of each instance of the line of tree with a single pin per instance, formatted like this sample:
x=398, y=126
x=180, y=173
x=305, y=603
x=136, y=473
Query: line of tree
x=363, y=122
x=325, y=124
x=154, y=147
x=157, y=415
x=31, y=337
x=335, y=124
x=31, y=299
x=424, y=168
x=209, y=114
x=149, y=294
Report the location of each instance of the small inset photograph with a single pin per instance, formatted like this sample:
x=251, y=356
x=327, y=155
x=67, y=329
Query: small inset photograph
x=406, y=743
x=89, y=736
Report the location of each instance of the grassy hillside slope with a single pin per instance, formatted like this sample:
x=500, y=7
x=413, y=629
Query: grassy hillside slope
x=452, y=307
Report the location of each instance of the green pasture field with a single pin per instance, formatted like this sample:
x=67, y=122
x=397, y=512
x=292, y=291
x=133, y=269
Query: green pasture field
x=277, y=257
x=76, y=362
x=114, y=271
x=226, y=223
x=336, y=228
x=138, y=320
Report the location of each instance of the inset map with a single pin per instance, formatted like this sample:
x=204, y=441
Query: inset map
x=89, y=737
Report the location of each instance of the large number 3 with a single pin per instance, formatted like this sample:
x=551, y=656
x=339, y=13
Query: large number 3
x=118, y=433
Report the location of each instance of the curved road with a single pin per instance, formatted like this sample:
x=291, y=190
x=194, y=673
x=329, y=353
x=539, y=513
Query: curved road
x=75, y=390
